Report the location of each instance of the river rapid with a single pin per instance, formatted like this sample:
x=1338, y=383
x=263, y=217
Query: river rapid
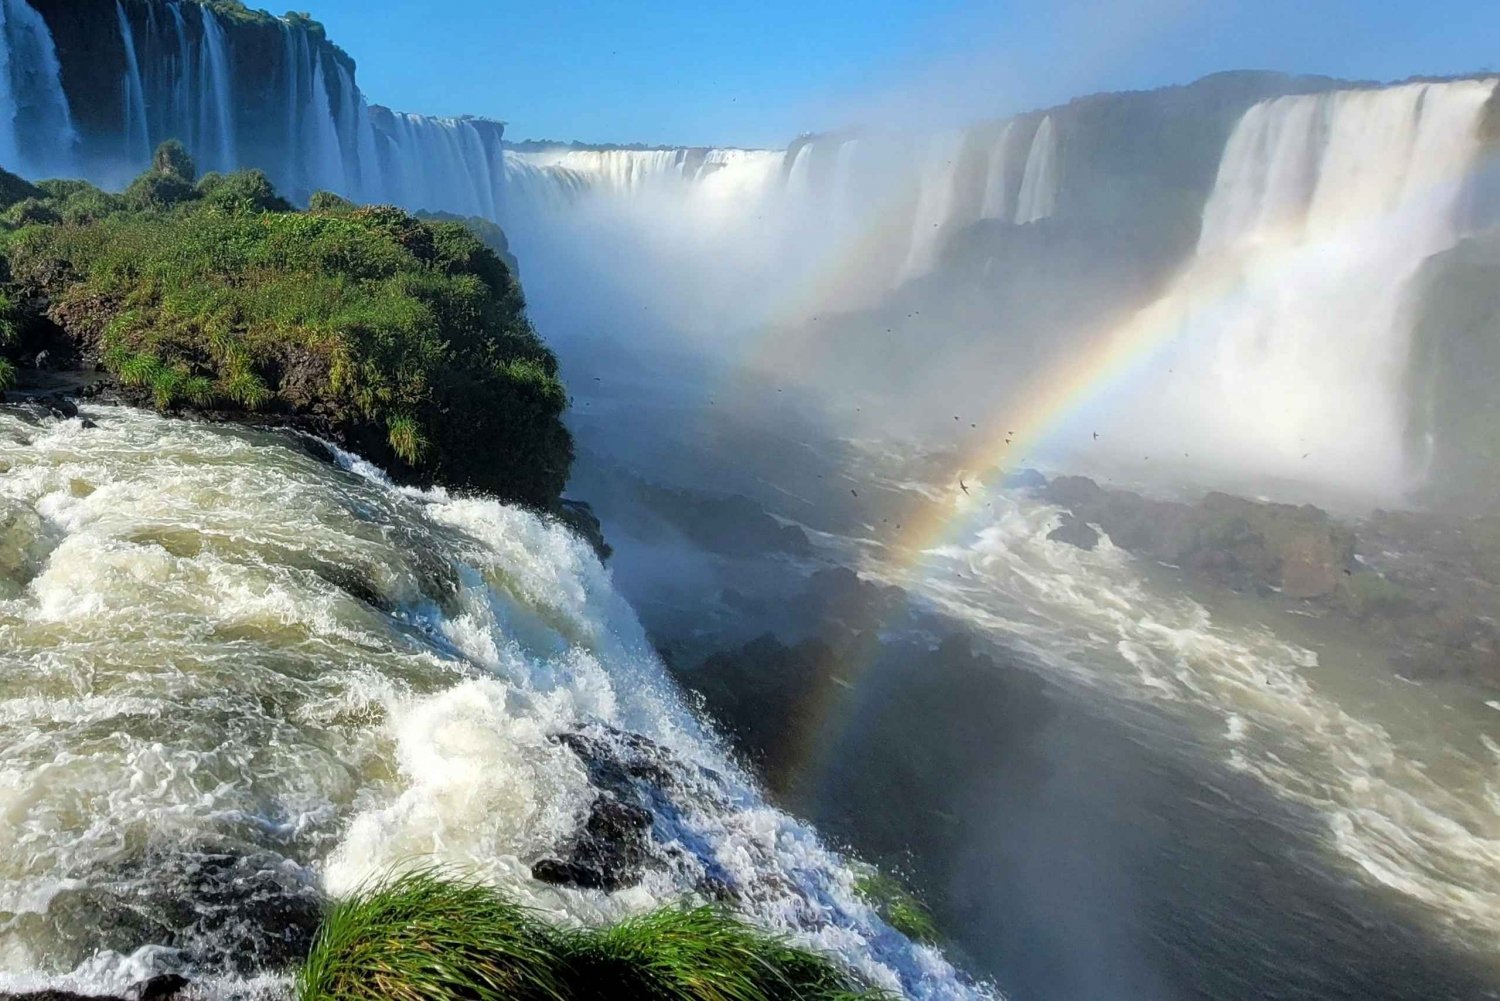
x=240, y=671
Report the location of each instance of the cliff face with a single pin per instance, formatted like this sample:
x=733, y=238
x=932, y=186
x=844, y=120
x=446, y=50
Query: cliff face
x=244, y=89
x=169, y=46
x=1454, y=418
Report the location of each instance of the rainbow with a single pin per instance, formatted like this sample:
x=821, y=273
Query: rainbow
x=1049, y=408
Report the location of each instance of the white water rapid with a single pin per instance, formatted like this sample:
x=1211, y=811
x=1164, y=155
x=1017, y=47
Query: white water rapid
x=227, y=658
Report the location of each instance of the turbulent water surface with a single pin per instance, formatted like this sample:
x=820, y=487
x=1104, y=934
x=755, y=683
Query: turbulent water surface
x=234, y=675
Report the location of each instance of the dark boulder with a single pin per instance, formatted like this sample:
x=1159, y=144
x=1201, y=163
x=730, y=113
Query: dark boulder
x=1074, y=532
x=610, y=852
x=161, y=987
x=580, y=517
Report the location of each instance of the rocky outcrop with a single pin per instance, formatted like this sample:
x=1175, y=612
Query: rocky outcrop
x=1453, y=420
x=1248, y=545
x=1425, y=586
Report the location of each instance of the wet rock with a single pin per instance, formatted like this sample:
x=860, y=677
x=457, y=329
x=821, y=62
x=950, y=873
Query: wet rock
x=46, y=406
x=580, y=517
x=1024, y=479
x=610, y=852
x=1239, y=543
x=636, y=822
x=160, y=987
x=219, y=908
x=613, y=847
x=1074, y=532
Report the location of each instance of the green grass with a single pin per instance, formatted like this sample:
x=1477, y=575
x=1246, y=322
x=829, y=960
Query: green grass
x=426, y=937
x=896, y=905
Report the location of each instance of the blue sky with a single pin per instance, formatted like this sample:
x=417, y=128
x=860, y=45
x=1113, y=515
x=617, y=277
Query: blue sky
x=756, y=73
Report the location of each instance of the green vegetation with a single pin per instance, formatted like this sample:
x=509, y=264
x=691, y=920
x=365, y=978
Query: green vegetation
x=406, y=339
x=424, y=937
x=896, y=905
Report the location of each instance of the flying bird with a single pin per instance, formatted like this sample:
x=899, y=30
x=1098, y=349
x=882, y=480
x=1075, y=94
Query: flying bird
x=962, y=485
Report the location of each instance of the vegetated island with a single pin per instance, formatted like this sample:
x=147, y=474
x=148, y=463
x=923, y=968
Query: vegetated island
x=404, y=339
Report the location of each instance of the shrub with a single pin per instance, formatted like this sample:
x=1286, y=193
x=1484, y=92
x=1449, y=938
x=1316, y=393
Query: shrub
x=80, y=202
x=14, y=189
x=328, y=202
x=158, y=190
x=31, y=212
x=240, y=192
x=171, y=158
x=423, y=937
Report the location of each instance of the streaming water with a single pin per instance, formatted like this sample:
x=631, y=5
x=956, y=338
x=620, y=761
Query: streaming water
x=233, y=674
x=1405, y=777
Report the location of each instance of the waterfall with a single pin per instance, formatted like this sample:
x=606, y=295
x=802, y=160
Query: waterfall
x=216, y=126
x=934, y=205
x=36, y=127
x=137, y=131
x=320, y=135
x=998, y=197
x=292, y=83
x=1291, y=333
x=443, y=164
x=309, y=127
x=796, y=180
x=185, y=91
x=1038, y=197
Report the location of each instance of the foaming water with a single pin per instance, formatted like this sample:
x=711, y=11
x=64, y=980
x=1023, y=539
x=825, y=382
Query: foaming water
x=229, y=667
x=1405, y=782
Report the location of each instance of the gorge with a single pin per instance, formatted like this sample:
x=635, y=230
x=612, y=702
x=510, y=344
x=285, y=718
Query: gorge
x=1136, y=738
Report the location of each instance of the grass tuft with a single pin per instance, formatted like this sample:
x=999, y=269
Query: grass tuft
x=897, y=906
x=424, y=936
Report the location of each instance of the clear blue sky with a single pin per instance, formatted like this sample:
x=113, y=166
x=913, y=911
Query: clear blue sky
x=757, y=72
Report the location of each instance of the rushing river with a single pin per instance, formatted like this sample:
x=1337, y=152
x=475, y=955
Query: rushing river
x=236, y=675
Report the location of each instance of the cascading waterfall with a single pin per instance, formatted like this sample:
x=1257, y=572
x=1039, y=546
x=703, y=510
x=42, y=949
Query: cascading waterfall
x=137, y=131
x=242, y=673
x=1289, y=338
x=185, y=75
x=217, y=119
x=934, y=207
x=998, y=196
x=324, y=156
x=36, y=127
x=1038, y=196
